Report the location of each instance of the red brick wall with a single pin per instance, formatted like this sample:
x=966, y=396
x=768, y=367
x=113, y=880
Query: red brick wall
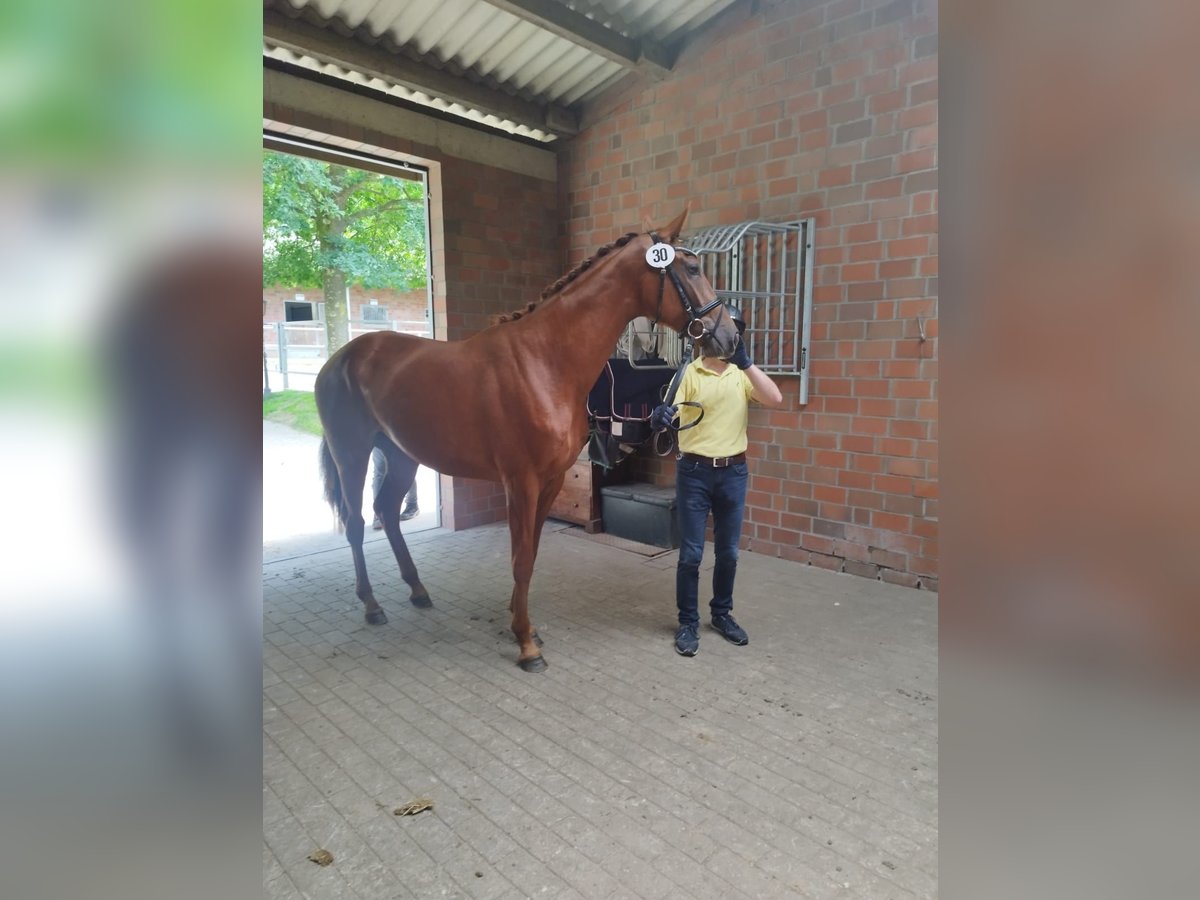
x=501, y=250
x=502, y=243
x=792, y=109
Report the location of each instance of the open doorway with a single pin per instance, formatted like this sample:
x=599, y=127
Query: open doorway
x=346, y=250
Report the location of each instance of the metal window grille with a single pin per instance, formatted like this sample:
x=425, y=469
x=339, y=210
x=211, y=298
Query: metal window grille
x=375, y=314
x=766, y=270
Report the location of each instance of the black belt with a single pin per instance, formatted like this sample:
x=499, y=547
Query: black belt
x=719, y=462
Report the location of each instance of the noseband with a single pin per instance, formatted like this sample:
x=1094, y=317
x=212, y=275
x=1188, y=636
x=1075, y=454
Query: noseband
x=695, y=316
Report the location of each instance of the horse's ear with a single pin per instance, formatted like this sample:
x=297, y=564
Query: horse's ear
x=676, y=227
x=647, y=225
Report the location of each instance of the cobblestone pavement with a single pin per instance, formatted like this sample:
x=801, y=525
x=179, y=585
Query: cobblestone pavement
x=801, y=765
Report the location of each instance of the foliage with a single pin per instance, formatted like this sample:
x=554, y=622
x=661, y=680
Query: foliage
x=320, y=217
x=296, y=409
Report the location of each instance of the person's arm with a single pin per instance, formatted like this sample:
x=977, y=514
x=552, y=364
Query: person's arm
x=765, y=390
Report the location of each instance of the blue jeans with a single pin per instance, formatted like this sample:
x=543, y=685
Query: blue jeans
x=700, y=489
x=379, y=463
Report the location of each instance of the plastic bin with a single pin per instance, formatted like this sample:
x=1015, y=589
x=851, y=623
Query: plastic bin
x=641, y=512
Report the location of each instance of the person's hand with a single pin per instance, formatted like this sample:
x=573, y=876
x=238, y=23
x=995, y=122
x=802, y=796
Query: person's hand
x=740, y=357
x=660, y=419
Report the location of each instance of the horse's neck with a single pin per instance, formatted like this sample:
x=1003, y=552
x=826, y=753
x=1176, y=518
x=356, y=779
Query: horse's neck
x=589, y=318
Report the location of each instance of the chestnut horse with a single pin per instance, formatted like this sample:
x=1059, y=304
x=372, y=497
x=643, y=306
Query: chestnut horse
x=507, y=404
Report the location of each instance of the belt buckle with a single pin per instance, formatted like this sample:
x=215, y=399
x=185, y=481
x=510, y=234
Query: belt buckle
x=720, y=462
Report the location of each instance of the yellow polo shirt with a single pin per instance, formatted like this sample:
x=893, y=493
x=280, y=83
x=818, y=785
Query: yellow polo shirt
x=726, y=399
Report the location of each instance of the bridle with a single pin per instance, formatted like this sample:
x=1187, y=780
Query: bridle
x=685, y=298
x=695, y=315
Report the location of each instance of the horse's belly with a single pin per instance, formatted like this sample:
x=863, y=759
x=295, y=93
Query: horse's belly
x=470, y=429
x=457, y=456
x=494, y=456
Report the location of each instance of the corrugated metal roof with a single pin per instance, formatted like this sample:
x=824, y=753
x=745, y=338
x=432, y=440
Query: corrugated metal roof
x=403, y=93
x=549, y=56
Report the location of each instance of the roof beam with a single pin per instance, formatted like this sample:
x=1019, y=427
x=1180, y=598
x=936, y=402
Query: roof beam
x=294, y=97
x=645, y=56
x=302, y=37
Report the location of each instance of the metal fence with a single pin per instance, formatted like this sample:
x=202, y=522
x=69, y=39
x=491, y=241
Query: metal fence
x=293, y=352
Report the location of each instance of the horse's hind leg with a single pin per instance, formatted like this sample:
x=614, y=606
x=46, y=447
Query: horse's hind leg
x=352, y=470
x=401, y=472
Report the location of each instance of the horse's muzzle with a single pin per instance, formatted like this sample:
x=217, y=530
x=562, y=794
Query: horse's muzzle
x=722, y=351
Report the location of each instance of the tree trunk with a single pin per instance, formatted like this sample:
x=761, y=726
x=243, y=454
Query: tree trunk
x=333, y=281
x=337, y=316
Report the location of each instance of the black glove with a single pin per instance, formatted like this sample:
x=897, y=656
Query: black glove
x=660, y=419
x=740, y=357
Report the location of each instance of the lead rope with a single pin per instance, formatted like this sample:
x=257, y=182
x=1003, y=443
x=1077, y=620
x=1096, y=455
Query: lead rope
x=672, y=389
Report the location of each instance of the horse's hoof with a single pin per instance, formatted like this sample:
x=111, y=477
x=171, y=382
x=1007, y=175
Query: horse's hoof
x=377, y=617
x=536, y=664
x=421, y=601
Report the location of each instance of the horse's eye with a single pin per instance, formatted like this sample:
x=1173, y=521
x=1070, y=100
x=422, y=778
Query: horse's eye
x=693, y=269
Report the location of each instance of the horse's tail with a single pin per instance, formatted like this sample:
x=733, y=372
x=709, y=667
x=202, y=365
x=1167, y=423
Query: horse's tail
x=333, y=484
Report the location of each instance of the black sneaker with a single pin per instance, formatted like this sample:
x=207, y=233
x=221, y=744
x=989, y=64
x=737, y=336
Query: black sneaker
x=410, y=512
x=730, y=630
x=687, y=640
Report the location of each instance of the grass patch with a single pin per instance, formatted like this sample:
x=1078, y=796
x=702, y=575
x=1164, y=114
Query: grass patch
x=296, y=409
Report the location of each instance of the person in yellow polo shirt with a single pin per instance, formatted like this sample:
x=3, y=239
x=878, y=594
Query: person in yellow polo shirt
x=711, y=476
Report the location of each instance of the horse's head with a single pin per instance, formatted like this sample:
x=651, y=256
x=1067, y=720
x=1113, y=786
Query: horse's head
x=694, y=307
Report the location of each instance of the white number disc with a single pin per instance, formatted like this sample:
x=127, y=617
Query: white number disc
x=660, y=255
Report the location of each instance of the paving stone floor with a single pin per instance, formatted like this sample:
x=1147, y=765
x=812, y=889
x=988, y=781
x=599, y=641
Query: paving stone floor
x=801, y=765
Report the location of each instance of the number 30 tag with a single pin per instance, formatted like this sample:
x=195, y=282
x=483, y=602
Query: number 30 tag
x=660, y=255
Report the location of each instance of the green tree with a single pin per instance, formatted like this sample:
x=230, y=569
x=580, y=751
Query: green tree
x=328, y=226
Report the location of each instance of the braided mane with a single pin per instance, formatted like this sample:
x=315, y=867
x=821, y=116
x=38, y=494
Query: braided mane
x=566, y=279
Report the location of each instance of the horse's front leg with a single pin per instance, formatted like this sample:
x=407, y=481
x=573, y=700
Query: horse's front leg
x=527, y=510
